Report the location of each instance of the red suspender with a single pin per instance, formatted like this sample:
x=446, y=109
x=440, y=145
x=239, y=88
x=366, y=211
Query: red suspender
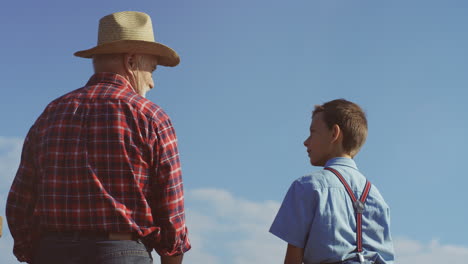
x=358, y=205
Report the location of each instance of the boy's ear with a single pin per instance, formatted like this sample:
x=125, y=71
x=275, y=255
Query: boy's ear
x=336, y=132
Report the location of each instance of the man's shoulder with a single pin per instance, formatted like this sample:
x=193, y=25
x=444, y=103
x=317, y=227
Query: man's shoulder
x=150, y=109
x=89, y=95
x=63, y=99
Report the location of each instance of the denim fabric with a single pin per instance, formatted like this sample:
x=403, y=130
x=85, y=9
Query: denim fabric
x=68, y=250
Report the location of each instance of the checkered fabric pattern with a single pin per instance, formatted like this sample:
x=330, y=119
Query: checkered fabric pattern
x=100, y=158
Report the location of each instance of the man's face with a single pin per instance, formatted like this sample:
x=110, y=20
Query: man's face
x=318, y=144
x=147, y=64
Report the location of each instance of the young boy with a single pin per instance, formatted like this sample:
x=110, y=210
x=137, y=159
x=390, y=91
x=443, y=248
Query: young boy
x=335, y=215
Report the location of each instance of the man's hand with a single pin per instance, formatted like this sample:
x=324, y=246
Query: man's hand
x=172, y=260
x=294, y=255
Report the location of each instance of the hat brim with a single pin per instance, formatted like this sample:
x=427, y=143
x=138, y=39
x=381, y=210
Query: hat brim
x=166, y=56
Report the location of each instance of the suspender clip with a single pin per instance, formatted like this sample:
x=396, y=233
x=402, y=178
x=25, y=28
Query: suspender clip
x=358, y=206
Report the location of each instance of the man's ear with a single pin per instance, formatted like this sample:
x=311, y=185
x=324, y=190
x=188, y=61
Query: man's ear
x=129, y=62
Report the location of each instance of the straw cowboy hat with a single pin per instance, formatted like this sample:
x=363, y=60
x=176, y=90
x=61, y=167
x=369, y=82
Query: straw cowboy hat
x=129, y=32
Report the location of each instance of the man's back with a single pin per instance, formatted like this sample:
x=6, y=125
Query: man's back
x=95, y=157
x=95, y=149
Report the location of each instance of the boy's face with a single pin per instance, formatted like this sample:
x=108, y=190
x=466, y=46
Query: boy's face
x=319, y=143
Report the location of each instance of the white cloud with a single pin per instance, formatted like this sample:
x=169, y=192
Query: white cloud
x=10, y=152
x=6, y=250
x=410, y=251
x=215, y=213
x=231, y=229
x=228, y=229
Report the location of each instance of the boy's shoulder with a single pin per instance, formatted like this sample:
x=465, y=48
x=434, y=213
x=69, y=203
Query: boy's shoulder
x=315, y=180
x=321, y=180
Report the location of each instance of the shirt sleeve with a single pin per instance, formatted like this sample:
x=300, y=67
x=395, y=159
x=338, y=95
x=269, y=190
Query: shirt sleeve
x=168, y=209
x=21, y=202
x=384, y=245
x=295, y=216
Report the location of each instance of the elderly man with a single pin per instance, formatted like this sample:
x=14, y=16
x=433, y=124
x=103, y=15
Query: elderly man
x=100, y=179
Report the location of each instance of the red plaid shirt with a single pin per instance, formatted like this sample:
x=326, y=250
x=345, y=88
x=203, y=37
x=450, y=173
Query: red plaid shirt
x=100, y=158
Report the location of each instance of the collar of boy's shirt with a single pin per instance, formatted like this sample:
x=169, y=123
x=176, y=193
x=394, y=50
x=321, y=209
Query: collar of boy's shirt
x=341, y=161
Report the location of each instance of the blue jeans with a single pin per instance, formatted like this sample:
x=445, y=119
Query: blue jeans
x=69, y=250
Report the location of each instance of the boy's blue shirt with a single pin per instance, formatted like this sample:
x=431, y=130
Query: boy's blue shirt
x=317, y=214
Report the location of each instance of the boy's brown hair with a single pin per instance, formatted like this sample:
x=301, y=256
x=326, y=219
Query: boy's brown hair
x=350, y=118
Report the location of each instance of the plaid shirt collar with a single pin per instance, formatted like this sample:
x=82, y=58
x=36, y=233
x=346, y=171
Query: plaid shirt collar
x=110, y=78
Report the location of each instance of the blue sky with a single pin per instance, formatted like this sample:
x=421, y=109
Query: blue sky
x=250, y=74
